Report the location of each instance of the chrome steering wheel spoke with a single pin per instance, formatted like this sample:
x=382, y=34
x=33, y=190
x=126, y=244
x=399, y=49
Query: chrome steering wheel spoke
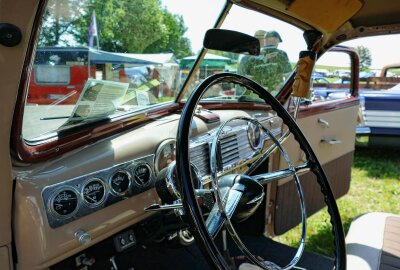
x=216, y=218
x=269, y=177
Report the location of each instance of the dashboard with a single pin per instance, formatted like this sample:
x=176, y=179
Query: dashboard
x=103, y=188
x=72, y=199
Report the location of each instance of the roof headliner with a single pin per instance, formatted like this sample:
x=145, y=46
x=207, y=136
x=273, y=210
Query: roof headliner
x=377, y=12
x=375, y=17
x=372, y=12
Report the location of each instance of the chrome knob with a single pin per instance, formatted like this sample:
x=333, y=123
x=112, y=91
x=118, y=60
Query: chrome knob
x=83, y=237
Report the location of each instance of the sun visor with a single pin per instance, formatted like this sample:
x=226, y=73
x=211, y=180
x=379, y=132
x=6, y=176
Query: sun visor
x=327, y=14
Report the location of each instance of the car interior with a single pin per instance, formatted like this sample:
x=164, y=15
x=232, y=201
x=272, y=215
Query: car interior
x=120, y=157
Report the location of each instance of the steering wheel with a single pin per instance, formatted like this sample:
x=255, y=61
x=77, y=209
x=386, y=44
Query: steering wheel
x=240, y=192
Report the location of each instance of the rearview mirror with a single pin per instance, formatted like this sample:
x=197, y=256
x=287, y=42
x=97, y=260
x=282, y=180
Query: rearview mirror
x=231, y=41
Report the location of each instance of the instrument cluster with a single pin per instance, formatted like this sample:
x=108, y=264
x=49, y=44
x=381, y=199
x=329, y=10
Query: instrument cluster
x=81, y=196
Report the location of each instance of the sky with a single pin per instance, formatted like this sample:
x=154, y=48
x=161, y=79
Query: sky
x=204, y=17
x=201, y=15
x=384, y=49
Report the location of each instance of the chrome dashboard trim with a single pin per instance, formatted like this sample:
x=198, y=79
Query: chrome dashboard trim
x=252, y=130
x=158, y=152
x=77, y=184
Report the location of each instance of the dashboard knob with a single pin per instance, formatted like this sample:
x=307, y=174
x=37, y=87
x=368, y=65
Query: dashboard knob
x=83, y=237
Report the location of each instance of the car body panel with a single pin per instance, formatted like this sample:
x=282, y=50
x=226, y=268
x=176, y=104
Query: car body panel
x=10, y=69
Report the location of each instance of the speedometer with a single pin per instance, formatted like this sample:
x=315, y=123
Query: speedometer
x=94, y=192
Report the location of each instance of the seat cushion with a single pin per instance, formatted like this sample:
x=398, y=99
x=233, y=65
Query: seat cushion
x=373, y=242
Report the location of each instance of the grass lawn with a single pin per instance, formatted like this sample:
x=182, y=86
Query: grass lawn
x=375, y=186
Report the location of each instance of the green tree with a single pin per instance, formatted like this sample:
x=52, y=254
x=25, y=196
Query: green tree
x=172, y=39
x=123, y=25
x=365, y=57
x=133, y=26
x=58, y=23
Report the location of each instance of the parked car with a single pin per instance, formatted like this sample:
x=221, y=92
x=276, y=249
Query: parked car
x=320, y=79
x=158, y=173
x=380, y=99
x=379, y=102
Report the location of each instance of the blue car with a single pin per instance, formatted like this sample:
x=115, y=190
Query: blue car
x=379, y=123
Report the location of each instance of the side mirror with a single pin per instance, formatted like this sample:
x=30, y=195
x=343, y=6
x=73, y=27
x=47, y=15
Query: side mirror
x=231, y=41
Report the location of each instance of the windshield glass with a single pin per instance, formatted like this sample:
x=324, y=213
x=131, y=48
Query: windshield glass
x=280, y=45
x=99, y=60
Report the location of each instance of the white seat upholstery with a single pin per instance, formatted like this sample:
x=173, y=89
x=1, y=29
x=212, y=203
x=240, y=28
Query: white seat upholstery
x=373, y=243
x=365, y=241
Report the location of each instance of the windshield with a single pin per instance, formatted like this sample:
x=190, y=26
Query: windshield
x=103, y=60
x=100, y=60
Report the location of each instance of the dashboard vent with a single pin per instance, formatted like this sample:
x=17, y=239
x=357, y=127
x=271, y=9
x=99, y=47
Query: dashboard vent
x=229, y=150
x=200, y=156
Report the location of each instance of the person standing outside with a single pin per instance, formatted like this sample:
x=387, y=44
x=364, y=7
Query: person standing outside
x=271, y=68
x=244, y=61
x=276, y=66
x=273, y=54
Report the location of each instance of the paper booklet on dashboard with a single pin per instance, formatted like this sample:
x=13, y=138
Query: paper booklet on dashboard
x=99, y=98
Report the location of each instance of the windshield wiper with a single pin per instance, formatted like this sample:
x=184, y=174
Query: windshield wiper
x=60, y=117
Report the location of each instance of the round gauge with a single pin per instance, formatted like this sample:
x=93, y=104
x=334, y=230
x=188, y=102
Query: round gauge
x=142, y=174
x=64, y=203
x=93, y=192
x=254, y=135
x=120, y=182
x=165, y=154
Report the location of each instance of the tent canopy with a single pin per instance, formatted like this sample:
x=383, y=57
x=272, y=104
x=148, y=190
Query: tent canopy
x=209, y=61
x=81, y=54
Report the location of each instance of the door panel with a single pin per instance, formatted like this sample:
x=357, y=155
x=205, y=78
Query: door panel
x=336, y=159
x=287, y=214
x=329, y=124
x=5, y=258
x=341, y=132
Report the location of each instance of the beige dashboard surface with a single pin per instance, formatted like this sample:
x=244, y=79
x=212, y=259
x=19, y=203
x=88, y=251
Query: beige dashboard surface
x=38, y=245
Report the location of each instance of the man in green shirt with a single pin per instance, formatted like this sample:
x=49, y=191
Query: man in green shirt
x=245, y=60
x=274, y=67
x=271, y=67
